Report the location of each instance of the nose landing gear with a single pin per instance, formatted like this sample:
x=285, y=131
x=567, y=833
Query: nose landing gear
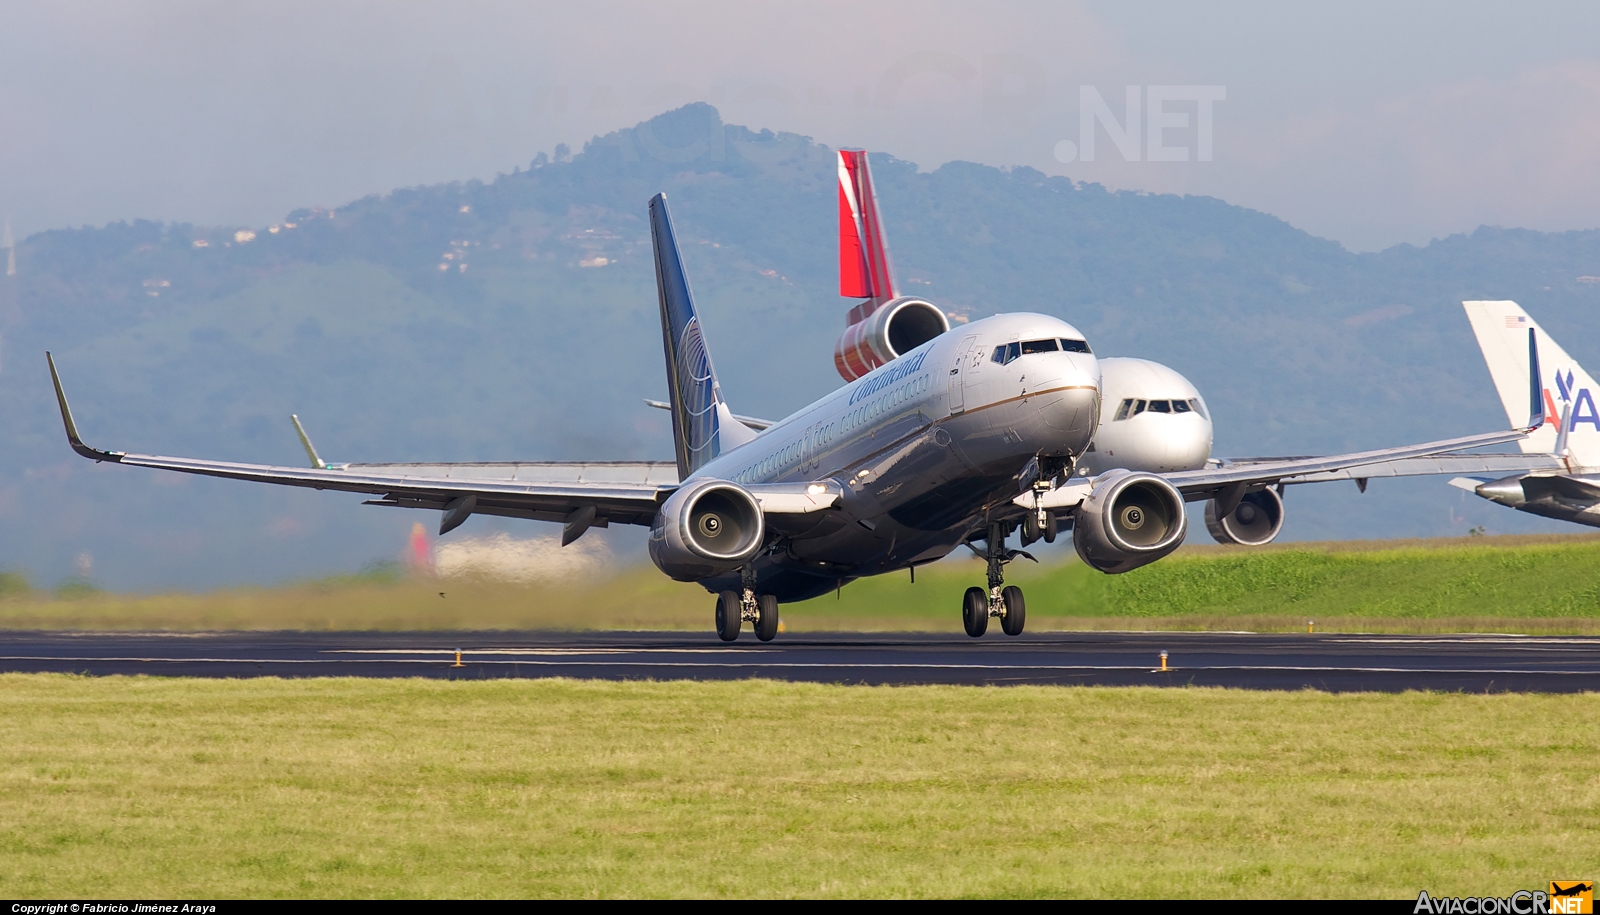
x=1001, y=600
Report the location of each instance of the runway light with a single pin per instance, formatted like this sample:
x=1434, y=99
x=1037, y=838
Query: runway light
x=1163, y=660
x=458, y=659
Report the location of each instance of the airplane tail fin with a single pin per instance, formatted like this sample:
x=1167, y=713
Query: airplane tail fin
x=864, y=270
x=702, y=425
x=1568, y=392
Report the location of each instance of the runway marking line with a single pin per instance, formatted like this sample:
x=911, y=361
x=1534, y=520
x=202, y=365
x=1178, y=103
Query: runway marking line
x=831, y=665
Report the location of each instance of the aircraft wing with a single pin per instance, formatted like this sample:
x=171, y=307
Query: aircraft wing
x=1231, y=480
x=579, y=494
x=1495, y=464
x=1201, y=484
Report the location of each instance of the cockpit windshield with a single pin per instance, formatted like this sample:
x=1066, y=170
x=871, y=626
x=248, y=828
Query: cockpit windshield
x=1007, y=353
x=1133, y=407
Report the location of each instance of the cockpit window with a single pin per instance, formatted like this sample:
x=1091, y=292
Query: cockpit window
x=1039, y=346
x=1129, y=407
x=1075, y=346
x=1006, y=354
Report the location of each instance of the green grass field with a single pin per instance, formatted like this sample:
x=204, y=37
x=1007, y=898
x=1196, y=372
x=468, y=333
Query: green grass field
x=1525, y=584
x=129, y=787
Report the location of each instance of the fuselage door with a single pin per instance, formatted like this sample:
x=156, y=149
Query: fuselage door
x=958, y=369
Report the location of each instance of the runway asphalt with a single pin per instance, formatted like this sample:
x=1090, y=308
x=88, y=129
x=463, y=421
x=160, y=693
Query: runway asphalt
x=1333, y=662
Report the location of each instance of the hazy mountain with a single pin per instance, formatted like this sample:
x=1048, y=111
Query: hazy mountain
x=517, y=319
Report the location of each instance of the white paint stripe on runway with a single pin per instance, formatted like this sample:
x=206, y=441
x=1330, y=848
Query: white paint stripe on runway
x=834, y=665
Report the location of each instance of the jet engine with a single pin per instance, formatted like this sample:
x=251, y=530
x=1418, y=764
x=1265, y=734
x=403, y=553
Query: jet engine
x=706, y=528
x=1129, y=519
x=895, y=327
x=1255, y=521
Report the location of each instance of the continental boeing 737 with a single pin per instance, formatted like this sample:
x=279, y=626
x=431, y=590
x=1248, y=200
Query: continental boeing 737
x=955, y=441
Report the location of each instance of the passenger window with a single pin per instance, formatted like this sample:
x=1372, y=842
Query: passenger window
x=1180, y=406
x=1122, y=411
x=1160, y=406
x=1075, y=346
x=1038, y=346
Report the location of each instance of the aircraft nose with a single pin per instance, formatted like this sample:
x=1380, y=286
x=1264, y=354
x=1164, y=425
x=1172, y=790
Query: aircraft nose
x=1069, y=412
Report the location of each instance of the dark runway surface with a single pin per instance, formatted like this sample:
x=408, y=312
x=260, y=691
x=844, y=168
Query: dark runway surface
x=1471, y=663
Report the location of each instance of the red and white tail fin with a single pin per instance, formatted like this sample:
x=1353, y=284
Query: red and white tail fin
x=864, y=271
x=886, y=324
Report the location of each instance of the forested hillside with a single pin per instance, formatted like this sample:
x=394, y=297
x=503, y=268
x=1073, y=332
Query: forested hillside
x=517, y=319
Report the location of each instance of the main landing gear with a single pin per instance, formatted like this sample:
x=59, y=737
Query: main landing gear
x=735, y=607
x=1001, y=600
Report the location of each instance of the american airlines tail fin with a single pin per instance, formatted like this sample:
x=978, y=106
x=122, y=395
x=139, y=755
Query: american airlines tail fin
x=702, y=425
x=1567, y=390
x=864, y=271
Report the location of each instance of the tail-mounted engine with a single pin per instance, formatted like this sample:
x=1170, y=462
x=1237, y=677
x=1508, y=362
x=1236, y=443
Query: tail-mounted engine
x=706, y=528
x=1128, y=520
x=886, y=324
x=1255, y=521
x=894, y=328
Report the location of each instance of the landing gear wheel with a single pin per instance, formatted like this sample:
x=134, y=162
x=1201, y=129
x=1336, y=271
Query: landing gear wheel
x=1030, y=528
x=1016, y=610
x=1050, y=527
x=728, y=615
x=767, y=621
x=975, y=612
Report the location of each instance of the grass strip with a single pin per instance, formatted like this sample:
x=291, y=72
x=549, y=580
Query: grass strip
x=1529, y=584
x=559, y=788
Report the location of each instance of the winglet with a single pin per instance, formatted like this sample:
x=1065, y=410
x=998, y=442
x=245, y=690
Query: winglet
x=317, y=463
x=1561, y=450
x=73, y=439
x=1536, y=415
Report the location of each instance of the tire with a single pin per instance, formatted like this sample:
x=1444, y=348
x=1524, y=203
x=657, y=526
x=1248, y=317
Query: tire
x=975, y=611
x=1016, y=610
x=1050, y=527
x=1030, y=528
x=728, y=616
x=767, y=621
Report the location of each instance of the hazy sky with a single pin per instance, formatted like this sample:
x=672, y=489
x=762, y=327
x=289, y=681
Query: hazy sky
x=1370, y=123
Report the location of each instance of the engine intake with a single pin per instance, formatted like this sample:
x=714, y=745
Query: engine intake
x=1255, y=521
x=706, y=528
x=1129, y=519
x=897, y=327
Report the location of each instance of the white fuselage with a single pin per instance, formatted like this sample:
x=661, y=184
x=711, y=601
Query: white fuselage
x=1151, y=419
x=923, y=446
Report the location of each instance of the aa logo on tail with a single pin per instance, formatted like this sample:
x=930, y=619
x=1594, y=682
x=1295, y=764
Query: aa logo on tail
x=1582, y=401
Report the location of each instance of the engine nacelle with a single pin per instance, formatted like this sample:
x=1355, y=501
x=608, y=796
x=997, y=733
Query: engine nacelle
x=1130, y=519
x=706, y=528
x=1255, y=521
x=896, y=327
